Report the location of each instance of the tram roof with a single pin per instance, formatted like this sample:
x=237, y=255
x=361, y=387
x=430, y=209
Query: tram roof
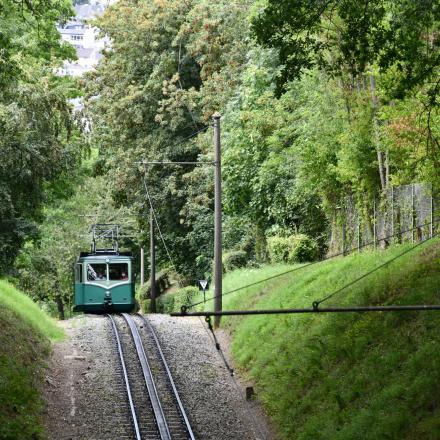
x=106, y=254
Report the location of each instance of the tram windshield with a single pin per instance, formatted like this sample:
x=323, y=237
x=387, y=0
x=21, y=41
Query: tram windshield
x=96, y=272
x=118, y=271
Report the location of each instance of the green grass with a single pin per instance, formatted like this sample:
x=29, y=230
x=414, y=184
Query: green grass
x=344, y=376
x=25, y=334
x=28, y=311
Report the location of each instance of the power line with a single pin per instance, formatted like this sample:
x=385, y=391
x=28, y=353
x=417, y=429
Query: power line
x=295, y=269
x=158, y=227
x=370, y=272
x=315, y=305
x=177, y=144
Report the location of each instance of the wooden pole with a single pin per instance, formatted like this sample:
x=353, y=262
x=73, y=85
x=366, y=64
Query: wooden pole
x=152, y=265
x=218, y=269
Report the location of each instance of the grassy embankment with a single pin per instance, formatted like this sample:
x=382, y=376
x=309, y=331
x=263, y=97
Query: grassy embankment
x=25, y=334
x=344, y=376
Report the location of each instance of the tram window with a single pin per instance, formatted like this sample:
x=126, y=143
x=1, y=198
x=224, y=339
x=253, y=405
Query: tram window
x=79, y=273
x=96, y=272
x=118, y=271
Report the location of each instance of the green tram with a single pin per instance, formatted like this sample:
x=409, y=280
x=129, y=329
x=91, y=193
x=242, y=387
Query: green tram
x=104, y=280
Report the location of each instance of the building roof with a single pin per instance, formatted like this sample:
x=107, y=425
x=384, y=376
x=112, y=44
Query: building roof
x=64, y=31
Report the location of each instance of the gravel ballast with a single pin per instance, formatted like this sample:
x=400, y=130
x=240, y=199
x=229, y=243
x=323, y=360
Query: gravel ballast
x=86, y=398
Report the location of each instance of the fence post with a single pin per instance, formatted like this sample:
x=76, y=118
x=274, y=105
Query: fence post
x=343, y=237
x=392, y=213
x=412, y=213
x=374, y=222
x=431, y=229
x=359, y=232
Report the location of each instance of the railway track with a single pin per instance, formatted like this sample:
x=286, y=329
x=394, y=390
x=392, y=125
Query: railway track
x=155, y=407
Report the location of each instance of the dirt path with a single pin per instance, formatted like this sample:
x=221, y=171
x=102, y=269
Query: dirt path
x=85, y=398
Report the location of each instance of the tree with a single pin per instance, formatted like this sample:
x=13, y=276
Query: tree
x=35, y=120
x=45, y=266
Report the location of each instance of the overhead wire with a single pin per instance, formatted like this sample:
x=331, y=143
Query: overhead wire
x=315, y=305
x=370, y=272
x=295, y=269
x=180, y=142
x=157, y=224
x=151, y=202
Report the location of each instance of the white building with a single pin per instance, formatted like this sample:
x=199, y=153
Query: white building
x=84, y=38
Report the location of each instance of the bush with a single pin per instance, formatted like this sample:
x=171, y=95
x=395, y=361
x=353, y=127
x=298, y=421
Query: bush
x=174, y=301
x=296, y=248
x=278, y=248
x=234, y=260
x=144, y=305
x=162, y=283
x=304, y=249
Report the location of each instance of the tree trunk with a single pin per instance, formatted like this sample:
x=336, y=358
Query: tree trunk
x=383, y=182
x=382, y=161
x=260, y=245
x=60, y=306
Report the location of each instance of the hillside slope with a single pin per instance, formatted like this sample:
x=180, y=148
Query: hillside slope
x=25, y=332
x=345, y=376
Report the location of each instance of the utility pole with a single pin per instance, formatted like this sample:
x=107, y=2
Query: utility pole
x=218, y=269
x=142, y=266
x=152, y=265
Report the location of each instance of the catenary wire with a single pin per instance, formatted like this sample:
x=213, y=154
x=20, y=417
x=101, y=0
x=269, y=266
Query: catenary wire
x=181, y=141
x=339, y=254
x=158, y=227
x=370, y=272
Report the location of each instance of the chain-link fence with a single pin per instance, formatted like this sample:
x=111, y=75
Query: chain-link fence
x=407, y=213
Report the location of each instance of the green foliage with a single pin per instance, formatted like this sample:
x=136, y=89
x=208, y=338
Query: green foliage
x=359, y=42
x=22, y=366
x=163, y=282
x=288, y=160
x=297, y=248
x=174, y=301
x=335, y=376
x=38, y=142
x=27, y=311
x=45, y=266
x=278, y=248
x=303, y=249
x=352, y=36
x=234, y=260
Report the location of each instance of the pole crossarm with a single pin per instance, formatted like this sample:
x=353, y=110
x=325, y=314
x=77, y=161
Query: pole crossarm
x=314, y=309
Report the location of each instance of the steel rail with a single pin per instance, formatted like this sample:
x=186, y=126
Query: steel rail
x=127, y=385
x=170, y=377
x=149, y=381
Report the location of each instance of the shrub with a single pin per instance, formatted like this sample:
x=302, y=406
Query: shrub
x=296, y=248
x=304, y=249
x=162, y=283
x=144, y=305
x=278, y=248
x=234, y=260
x=174, y=301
